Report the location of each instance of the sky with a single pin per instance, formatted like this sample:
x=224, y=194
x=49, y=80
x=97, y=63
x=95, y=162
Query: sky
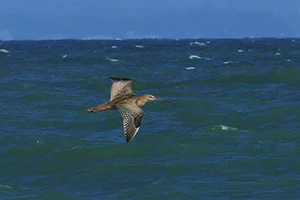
x=136, y=19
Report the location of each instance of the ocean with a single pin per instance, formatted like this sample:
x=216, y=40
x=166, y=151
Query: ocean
x=234, y=132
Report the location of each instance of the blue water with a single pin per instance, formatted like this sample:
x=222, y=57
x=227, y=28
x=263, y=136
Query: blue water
x=233, y=134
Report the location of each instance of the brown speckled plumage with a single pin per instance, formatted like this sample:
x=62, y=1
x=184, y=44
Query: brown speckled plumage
x=128, y=103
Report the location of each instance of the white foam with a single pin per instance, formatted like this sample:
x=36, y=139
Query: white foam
x=4, y=51
x=197, y=43
x=288, y=60
x=277, y=54
x=118, y=39
x=64, y=56
x=240, y=51
x=198, y=57
x=190, y=68
x=226, y=128
x=114, y=47
x=5, y=186
x=194, y=57
x=139, y=46
x=112, y=60
x=227, y=62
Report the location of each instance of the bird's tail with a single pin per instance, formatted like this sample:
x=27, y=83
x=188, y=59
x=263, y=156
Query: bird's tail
x=105, y=106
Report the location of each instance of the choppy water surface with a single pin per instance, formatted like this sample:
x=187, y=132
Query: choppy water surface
x=234, y=132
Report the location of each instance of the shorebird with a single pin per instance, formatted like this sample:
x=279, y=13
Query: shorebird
x=128, y=103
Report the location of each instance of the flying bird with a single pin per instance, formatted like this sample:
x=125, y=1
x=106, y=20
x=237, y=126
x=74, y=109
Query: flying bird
x=128, y=103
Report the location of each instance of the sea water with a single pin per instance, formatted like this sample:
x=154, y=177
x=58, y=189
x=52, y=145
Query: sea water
x=233, y=133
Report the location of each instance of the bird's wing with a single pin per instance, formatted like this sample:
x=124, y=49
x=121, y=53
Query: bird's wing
x=132, y=118
x=120, y=86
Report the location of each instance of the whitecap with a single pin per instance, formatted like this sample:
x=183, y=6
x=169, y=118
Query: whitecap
x=224, y=128
x=4, y=51
x=288, y=60
x=198, y=57
x=114, y=47
x=118, y=39
x=5, y=187
x=227, y=62
x=112, y=60
x=190, y=68
x=197, y=43
x=240, y=51
x=277, y=54
x=194, y=57
x=139, y=46
x=64, y=56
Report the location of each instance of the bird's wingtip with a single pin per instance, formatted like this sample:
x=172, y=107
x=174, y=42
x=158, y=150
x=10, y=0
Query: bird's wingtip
x=120, y=79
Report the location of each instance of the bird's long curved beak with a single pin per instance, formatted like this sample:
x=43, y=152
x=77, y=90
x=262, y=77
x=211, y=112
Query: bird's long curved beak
x=160, y=99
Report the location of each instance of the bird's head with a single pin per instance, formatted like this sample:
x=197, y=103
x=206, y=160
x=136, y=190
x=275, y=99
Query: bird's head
x=150, y=97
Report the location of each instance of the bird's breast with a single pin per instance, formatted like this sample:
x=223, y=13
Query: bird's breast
x=141, y=102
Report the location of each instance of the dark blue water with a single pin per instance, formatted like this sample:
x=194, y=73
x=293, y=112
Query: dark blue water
x=234, y=132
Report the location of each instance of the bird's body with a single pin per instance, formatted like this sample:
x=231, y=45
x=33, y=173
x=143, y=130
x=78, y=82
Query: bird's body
x=129, y=98
x=128, y=103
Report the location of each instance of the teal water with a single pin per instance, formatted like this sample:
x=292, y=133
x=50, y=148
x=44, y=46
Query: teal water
x=233, y=134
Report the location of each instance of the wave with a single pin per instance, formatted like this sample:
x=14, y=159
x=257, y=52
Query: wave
x=194, y=57
x=197, y=44
x=227, y=62
x=198, y=57
x=112, y=59
x=224, y=128
x=5, y=187
x=283, y=76
x=190, y=68
x=4, y=51
x=139, y=46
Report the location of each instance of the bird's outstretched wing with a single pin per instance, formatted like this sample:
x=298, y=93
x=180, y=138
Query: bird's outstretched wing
x=132, y=118
x=120, y=86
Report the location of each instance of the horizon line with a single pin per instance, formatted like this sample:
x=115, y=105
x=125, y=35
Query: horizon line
x=176, y=39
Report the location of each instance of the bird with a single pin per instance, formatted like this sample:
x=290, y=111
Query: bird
x=129, y=104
